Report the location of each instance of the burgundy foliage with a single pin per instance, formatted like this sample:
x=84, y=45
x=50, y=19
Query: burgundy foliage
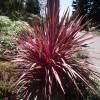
x=50, y=61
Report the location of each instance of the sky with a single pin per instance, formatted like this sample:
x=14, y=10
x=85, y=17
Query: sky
x=64, y=4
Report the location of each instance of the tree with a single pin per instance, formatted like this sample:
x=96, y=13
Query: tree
x=32, y=6
x=43, y=5
x=81, y=5
x=90, y=8
x=95, y=11
x=9, y=7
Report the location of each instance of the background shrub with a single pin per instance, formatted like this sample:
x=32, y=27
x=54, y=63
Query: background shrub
x=9, y=30
x=5, y=25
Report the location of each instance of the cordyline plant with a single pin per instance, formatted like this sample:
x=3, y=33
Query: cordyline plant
x=50, y=62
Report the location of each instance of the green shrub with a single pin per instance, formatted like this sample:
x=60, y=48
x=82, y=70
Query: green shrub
x=6, y=88
x=5, y=21
x=81, y=54
x=20, y=27
x=8, y=26
x=6, y=43
x=9, y=31
x=5, y=25
x=30, y=18
x=5, y=65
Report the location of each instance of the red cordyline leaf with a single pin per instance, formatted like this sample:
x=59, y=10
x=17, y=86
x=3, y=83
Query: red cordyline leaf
x=49, y=56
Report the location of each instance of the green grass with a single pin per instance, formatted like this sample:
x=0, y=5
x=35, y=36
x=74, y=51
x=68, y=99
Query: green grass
x=96, y=32
x=81, y=55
